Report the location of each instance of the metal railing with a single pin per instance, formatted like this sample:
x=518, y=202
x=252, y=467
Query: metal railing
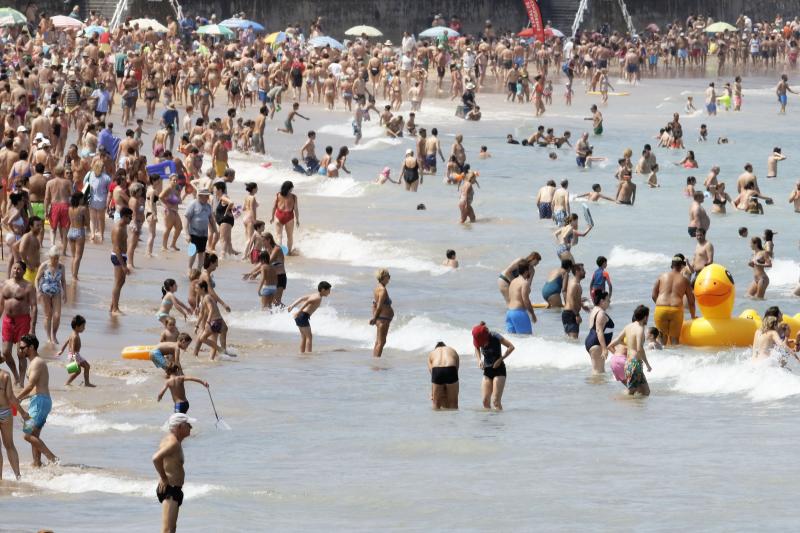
x=627, y=17
x=582, y=7
x=116, y=19
x=176, y=7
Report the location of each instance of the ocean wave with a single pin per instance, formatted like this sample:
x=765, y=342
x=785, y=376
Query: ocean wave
x=378, y=142
x=341, y=187
x=631, y=257
x=784, y=273
x=88, y=423
x=347, y=248
x=64, y=480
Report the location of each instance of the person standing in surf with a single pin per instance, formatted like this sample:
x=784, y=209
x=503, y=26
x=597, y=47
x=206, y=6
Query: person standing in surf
x=488, y=348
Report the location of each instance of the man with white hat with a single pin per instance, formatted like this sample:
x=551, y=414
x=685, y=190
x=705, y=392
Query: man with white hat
x=168, y=462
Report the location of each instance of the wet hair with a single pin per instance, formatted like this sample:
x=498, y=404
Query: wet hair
x=172, y=369
x=770, y=322
x=551, y=183
x=565, y=183
x=31, y=340
x=286, y=188
x=566, y=264
x=773, y=311
x=250, y=187
x=323, y=286
x=169, y=282
x=599, y=296
x=743, y=231
x=596, y=187
x=640, y=313
x=601, y=261
x=440, y=344
x=653, y=332
x=691, y=180
x=523, y=268
x=184, y=337
x=329, y=150
x=75, y=199
x=768, y=234
x=450, y=254
x=77, y=321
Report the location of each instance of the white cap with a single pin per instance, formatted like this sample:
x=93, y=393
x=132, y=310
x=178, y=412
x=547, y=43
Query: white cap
x=39, y=136
x=21, y=129
x=176, y=419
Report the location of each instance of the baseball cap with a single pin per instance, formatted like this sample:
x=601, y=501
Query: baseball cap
x=480, y=335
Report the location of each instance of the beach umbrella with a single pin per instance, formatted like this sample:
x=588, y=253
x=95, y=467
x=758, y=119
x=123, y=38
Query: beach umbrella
x=653, y=27
x=66, y=23
x=719, y=27
x=94, y=29
x=527, y=32
x=275, y=38
x=436, y=31
x=242, y=24
x=369, y=31
x=216, y=30
x=552, y=32
x=11, y=17
x=323, y=41
x=149, y=24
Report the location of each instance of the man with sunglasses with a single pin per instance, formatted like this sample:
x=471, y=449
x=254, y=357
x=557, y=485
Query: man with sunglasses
x=38, y=389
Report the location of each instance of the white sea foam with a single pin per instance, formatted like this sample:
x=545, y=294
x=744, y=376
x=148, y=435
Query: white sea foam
x=88, y=423
x=621, y=256
x=341, y=187
x=347, y=248
x=784, y=273
x=69, y=481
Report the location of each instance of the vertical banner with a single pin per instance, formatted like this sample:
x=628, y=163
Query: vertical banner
x=535, y=17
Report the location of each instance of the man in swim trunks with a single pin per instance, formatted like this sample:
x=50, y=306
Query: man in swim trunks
x=56, y=203
x=561, y=204
x=29, y=247
x=18, y=302
x=668, y=293
x=168, y=462
x=781, y=89
x=573, y=302
x=443, y=364
x=38, y=390
x=175, y=383
x=633, y=336
x=432, y=148
x=520, y=311
x=544, y=199
x=308, y=304
x=698, y=218
x=119, y=260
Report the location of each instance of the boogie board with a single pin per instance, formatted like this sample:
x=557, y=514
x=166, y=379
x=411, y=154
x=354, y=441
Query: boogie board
x=587, y=215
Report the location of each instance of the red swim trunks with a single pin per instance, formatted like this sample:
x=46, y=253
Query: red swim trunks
x=14, y=327
x=59, y=215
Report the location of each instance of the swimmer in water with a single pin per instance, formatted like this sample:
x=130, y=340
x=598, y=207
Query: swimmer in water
x=384, y=176
x=450, y=259
x=653, y=336
x=767, y=339
x=595, y=195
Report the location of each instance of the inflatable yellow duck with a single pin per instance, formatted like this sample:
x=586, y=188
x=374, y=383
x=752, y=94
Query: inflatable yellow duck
x=792, y=321
x=715, y=293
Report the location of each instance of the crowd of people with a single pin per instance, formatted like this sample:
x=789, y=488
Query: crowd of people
x=63, y=165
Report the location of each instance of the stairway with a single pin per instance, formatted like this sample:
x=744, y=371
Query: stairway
x=561, y=14
x=105, y=8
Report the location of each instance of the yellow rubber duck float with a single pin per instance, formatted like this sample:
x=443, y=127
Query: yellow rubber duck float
x=792, y=321
x=715, y=293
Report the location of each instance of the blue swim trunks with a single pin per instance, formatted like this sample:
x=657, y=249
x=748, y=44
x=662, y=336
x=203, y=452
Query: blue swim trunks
x=38, y=409
x=158, y=358
x=303, y=320
x=518, y=321
x=545, y=210
x=783, y=99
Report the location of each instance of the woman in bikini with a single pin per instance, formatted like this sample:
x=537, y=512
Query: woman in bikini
x=171, y=199
x=15, y=222
x=382, y=311
x=287, y=213
x=720, y=199
x=151, y=95
x=78, y=226
x=8, y=400
x=223, y=214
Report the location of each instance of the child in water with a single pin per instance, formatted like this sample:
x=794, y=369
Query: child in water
x=450, y=259
x=170, y=332
x=74, y=344
x=175, y=383
x=703, y=133
x=652, y=340
x=690, y=104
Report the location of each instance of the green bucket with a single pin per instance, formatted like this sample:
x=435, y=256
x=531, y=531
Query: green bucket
x=73, y=367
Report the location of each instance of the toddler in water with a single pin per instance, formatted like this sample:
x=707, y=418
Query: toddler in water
x=450, y=259
x=703, y=133
x=484, y=153
x=384, y=176
x=74, y=343
x=652, y=342
x=690, y=104
x=170, y=332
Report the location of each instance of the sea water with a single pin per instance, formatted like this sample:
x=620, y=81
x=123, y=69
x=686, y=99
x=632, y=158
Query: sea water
x=340, y=441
